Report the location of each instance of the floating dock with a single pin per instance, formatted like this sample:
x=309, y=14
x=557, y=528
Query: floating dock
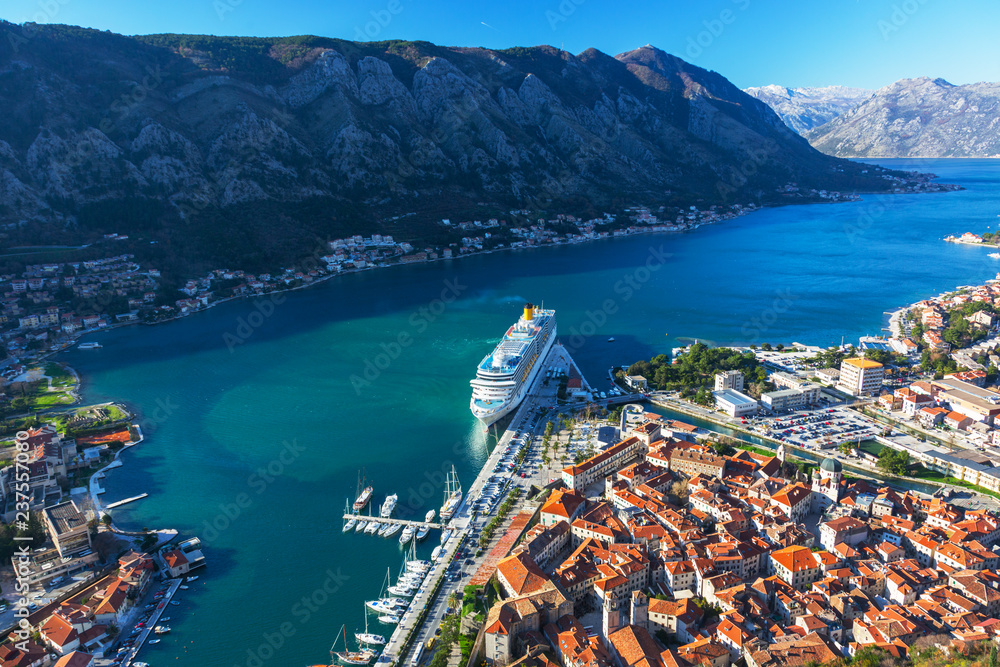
x=378, y=519
x=126, y=501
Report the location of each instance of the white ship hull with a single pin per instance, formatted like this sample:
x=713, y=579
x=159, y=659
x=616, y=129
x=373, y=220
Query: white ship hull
x=497, y=389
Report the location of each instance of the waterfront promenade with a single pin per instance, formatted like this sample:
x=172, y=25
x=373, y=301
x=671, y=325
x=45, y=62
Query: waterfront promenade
x=408, y=634
x=130, y=656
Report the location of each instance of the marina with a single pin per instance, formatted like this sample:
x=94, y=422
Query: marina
x=233, y=407
x=407, y=642
x=395, y=522
x=154, y=622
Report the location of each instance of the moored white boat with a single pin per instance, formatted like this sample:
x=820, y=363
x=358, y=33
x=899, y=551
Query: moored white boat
x=361, y=525
x=418, y=565
x=373, y=528
x=407, y=535
x=388, y=506
x=452, y=496
x=393, y=529
x=369, y=637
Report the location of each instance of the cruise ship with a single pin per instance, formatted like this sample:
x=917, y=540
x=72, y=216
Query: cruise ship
x=505, y=375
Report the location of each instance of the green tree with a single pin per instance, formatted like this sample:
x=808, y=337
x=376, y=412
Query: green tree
x=892, y=461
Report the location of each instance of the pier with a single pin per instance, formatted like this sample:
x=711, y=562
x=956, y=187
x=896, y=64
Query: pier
x=126, y=501
x=161, y=607
x=432, y=600
x=378, y=519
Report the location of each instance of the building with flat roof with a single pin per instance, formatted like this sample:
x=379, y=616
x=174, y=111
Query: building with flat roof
x=637, y=383
x=783, y=400
x=729, y=380
x=828, y=375
x=68, y=529
x=982, y=405
x=735, y=403
x=794, y=398
x=861, y=377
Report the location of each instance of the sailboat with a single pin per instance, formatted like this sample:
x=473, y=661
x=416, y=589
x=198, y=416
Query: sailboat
x=365, y=491
x=350, y=524
x=362, y=657
x=369, y=637
x=452, y=496
x=393, y=605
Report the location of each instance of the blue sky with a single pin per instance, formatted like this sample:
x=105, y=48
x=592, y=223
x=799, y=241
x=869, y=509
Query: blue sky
x=864, y=43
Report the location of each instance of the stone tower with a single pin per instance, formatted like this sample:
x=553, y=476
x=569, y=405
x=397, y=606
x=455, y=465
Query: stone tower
x=639, y=612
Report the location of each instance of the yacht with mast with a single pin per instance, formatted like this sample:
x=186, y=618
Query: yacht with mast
x=361, y=657
x=350, y=523
x=452, y=496
x=504, y=376
x=365, y=491
x=369, y=637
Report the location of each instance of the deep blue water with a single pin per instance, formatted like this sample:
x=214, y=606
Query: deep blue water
x=218, y=417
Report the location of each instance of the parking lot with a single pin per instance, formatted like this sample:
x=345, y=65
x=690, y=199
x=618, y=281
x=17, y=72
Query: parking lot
x=821, y=428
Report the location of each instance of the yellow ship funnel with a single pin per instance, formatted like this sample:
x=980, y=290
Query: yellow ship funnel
x=529, y=312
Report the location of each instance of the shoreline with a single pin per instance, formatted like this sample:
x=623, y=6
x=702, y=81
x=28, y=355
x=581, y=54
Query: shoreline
x=729, y=215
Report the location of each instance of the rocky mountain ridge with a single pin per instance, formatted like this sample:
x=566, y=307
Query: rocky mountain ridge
x=235, y=150
x=802, y=109
x=921, y=117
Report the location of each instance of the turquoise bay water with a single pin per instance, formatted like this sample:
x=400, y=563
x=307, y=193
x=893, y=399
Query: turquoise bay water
x=255, y=445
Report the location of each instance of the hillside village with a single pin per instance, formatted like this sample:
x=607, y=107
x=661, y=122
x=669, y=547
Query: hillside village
x=46, y=307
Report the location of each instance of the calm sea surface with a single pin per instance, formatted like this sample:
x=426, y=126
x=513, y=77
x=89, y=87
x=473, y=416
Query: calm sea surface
x=258, y=424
